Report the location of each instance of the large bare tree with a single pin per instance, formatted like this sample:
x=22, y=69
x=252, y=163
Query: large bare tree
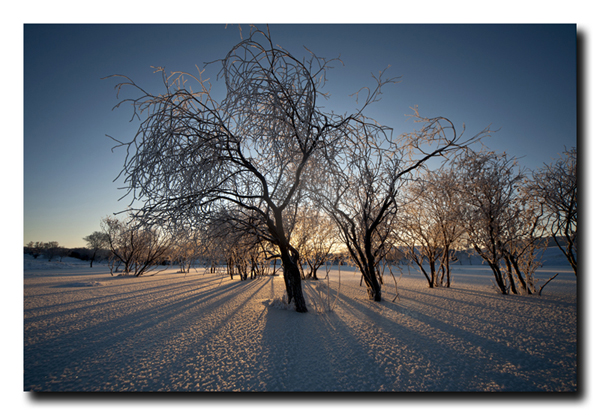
x=248, y=151
x=365, y=175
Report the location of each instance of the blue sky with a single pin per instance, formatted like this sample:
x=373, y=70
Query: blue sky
x=521, y=79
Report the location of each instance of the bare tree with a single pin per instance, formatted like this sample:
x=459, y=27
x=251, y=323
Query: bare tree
x=526, y=246
x=365, y=177
x=430, y=224
x=555, y=187
x=121, y=244
x=500, y=221
x=315, y=237
x=51, y=249
x=95, y=242
x=189, y=242
x=187, y=247
x=488, y=183
x=241, y=241
x=138, y=248
x=193, y=154
x=421, y=237
x=447, y=215
x=62, y=252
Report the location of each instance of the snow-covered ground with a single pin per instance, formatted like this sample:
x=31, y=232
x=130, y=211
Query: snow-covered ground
x=85, y=330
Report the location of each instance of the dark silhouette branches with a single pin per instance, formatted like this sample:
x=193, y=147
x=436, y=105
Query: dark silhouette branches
x=193, y=155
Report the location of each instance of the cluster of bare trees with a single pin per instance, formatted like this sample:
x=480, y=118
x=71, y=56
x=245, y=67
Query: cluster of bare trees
x=135, y=248
x=484, y=201
x=186, y=248
x=268, y=175
x=510, y=214
x=236, y=240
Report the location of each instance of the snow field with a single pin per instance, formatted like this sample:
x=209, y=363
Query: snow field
x=88, y=331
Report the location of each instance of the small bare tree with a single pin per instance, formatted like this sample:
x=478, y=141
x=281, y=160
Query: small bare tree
x=62, y=252
x=555, y=188
x=525, y=247
x=421, y=238
x=500, y=221
x=189, y=242
x=138, y=248
x=95, y=242
x=51, y=249
x=430, y=224
x=315, y=234
x=35, y=248
x=241, y=241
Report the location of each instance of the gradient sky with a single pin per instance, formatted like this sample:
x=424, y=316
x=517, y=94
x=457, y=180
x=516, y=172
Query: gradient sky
x=521, y=79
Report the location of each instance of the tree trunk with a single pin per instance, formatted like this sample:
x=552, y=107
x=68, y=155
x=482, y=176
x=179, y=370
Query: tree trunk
x=373, y=286
x=568, y=252
x=515, y=264
x=434, y=275
x=447, y=264
x=92, y=260
x=253, y=271
x=371, y=281
x=498, y=276
x=509, y=274
x=429, y=280
x=499, y=279
x=293, y=281
x=230, y=267
x=495, y=269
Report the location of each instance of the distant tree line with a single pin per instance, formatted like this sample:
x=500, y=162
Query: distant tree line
x=53, y=251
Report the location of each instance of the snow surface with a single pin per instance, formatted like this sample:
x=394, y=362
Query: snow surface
x=85, y=330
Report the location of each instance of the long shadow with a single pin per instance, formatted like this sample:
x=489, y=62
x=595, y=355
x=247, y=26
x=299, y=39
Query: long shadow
x=208, y=347
x=495, y=357
x=106, y=299
x=310, y=353
x=96, y=340
x=46, y=361
x=123, y=304
x=498, y=299
x=439, y=295
x=354, y=360
x=91, y=304
x=548, y=299
x=454, y=310
x=495, y=360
